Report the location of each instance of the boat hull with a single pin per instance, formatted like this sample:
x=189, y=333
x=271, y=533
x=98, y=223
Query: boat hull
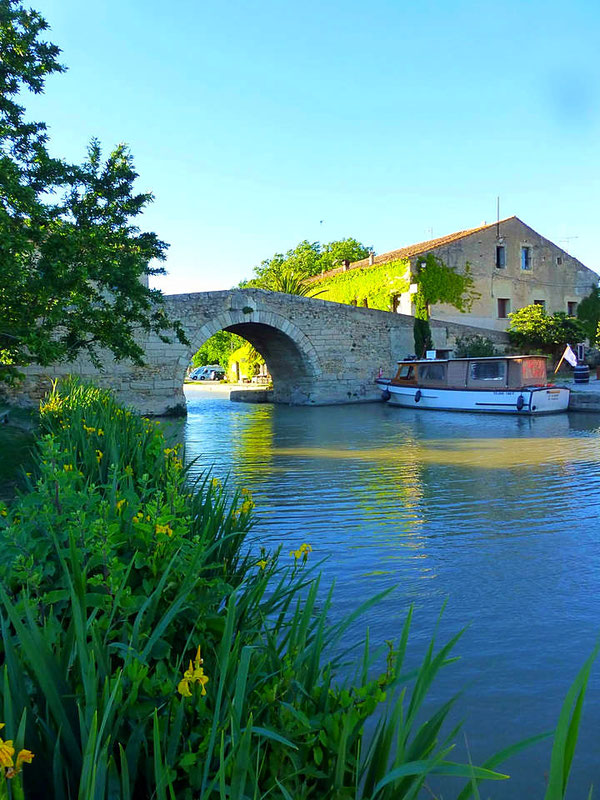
x=530, y=401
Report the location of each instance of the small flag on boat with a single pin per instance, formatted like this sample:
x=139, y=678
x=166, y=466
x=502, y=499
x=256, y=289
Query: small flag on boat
x=568, y=356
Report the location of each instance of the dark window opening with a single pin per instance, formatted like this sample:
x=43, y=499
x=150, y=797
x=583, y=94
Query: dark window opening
x=500, y=256
x=503, y=307
x=526, y=258
x=559, y=260
x=541, y=303
x=572, y=309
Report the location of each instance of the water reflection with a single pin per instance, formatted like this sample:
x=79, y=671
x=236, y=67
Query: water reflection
x=499, y=515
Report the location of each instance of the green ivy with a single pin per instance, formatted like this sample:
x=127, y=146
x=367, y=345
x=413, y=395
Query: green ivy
x=372, y=286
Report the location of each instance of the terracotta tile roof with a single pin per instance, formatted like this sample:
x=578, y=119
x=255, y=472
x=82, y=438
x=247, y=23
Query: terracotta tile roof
x=412, y=250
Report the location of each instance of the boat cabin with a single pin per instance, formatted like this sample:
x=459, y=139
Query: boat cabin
x=495, y=372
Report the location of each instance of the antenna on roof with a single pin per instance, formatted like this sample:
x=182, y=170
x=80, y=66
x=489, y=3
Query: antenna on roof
x=498, y=217
x=567, y=239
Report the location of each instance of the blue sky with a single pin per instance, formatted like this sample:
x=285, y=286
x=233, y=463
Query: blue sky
x=259, y=124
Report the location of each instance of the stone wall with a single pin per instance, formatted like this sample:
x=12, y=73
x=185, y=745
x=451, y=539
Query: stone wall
x=318, y=352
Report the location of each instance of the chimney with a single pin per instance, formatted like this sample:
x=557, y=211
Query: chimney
x=371, y=258
x=345, y=265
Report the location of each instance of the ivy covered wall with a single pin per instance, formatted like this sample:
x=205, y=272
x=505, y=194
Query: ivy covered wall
x=372, y=286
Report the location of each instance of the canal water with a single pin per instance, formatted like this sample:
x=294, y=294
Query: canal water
x=496, y=516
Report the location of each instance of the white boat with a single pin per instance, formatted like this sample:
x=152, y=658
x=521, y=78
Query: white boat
x=497, y=385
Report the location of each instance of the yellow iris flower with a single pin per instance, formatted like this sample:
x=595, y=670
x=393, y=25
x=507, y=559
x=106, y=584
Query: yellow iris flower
x=193, y=674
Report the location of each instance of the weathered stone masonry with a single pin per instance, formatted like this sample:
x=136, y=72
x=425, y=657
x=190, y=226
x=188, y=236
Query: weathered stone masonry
x=318, y=352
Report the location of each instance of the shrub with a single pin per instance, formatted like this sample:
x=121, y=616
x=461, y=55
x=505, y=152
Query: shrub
x=474, y=347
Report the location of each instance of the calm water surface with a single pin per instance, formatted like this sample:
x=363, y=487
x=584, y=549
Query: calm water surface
x=498, y=516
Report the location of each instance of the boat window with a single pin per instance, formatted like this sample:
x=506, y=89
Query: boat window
x=488, y=371
x=432, y=372
x=407, y=371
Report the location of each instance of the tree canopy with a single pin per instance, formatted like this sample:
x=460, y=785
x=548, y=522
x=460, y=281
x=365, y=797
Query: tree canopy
x=588, y=313
x=304, y=261
x=73, y=261
x=217, y=349
x=531, y=328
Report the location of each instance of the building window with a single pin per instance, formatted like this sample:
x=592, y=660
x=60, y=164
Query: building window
x=396, y=303
x=500, y=256
x=503, y=307
x=541, y=303
x=526, y=258
x=572, y=309
x=559, y=260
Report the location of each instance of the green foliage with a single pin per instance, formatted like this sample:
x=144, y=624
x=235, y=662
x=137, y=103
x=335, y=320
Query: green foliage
x=532, y=329
x=305, y=260
x=474, y=347
x=421, y=327
x=290, y=282
x=72, y=256
x=438, y=283
x=217, y=349
x=588, y=313
x=113, y=570
x=248, y=359
x=374, y=286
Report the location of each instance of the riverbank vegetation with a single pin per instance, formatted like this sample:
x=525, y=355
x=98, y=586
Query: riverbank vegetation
x=149, y=651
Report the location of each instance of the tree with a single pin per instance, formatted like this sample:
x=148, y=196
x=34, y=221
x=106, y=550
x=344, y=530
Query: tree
x=438, y=283
x=531, y=328
x=305, y=260
x=73, y=261
x=588, y=313
x=290, y=282
x=217, y=349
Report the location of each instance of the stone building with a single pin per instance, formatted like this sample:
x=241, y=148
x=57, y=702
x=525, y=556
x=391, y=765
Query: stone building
x=512, y=266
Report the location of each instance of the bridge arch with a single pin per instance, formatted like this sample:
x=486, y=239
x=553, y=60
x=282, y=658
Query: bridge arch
x=291, y=357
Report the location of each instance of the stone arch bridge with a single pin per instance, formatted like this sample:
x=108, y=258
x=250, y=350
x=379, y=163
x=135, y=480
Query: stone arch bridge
x=317, y=352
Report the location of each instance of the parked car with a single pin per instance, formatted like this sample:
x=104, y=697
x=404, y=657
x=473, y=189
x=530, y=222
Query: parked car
x=207, y=373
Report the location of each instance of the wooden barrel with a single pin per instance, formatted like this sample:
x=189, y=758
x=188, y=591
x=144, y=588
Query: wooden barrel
x=581, y=373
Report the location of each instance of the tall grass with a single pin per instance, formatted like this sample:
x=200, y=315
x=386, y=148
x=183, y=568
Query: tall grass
x=114, y=569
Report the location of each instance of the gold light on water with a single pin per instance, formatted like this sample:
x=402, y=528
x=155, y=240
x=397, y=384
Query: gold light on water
x=478, y=453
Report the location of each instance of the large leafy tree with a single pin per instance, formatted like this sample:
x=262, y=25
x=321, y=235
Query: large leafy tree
x=531, y=328
x=72, y=261
x=304, y=261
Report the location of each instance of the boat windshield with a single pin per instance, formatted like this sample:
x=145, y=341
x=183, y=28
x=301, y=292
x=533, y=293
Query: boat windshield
x=406, y=371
